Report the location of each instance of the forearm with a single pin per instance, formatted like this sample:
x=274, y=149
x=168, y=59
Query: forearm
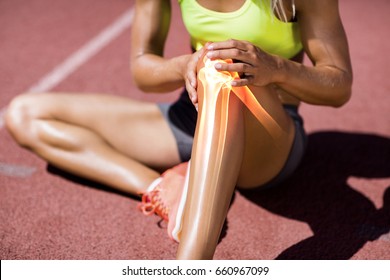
x=328, y=82
x=319, y=85
x=153, y=73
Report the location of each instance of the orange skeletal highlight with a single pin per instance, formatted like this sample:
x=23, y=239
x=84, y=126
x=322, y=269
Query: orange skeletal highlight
x=215, y=80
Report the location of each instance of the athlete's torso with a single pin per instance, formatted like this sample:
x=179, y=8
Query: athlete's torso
x=250, y=20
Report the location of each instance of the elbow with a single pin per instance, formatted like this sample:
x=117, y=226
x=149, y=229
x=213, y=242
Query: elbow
x=148, y=88
x=140, y=81
x=344, y=93
x=342, y=98
x=140, y=77
x=142, y=86
x=146, y=81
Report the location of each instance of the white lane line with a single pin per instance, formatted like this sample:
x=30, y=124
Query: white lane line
x=79, y=57
x=12, y=170
x=82, y=55
x=2, y=112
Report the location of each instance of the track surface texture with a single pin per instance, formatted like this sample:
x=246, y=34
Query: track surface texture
x=336, y=206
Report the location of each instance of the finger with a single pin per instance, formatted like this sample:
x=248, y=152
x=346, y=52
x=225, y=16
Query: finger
x=205, y=47
x=193, y=95
x=235, y=67
x=229, y=44
x=191, y=78
x=235, y=54
x=247, y=80
x=194, y=98
x=191, y=91
x=191, y=71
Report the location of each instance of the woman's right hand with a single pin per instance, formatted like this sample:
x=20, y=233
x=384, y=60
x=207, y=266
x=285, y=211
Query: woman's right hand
x=190, y=75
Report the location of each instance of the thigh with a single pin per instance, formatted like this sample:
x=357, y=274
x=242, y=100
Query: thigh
x=135, y=128
x=264, y=155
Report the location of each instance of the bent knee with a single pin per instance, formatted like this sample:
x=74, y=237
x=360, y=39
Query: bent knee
x=19, y=118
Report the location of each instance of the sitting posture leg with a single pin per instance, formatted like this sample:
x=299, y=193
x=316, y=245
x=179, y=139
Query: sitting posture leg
x=112, y=140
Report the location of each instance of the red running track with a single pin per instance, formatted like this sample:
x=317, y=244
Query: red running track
x=336, y=206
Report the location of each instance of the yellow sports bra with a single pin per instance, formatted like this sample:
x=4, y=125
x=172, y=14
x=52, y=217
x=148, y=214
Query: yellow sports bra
x=253, y=22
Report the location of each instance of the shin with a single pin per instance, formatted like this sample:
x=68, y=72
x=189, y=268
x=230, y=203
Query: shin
x=215, y=163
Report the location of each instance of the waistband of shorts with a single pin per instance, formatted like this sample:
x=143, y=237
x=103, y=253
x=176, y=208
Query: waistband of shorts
x=293, y=111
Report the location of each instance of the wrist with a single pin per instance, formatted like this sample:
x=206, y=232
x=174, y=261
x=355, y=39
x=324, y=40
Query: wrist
x=281, y=70
x=181, y=65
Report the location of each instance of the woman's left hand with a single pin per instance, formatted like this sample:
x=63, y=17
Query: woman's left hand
x=255, y=66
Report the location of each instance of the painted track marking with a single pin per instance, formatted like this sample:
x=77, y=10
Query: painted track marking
x=79, y=57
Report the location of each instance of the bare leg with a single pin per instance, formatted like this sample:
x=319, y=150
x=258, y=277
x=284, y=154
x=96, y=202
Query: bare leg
x=113, y=140
x=212, y=182
x=227, y=152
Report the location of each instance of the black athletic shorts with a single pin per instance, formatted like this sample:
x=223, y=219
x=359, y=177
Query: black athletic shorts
x=182, y=115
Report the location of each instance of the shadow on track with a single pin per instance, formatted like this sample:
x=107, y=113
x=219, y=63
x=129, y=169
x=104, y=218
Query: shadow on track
x=342, y=219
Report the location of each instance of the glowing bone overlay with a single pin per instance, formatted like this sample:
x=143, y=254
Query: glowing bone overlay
x=218, y=82
x=212, y=135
